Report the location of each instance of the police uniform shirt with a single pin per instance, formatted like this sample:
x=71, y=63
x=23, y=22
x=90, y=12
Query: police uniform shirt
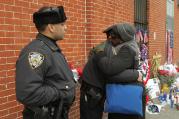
x=42, y=74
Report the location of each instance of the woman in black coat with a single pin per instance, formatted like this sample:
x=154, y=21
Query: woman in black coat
x=123, y=54
x=93, y=82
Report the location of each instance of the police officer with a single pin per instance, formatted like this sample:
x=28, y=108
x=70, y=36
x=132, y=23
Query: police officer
x=44, y=81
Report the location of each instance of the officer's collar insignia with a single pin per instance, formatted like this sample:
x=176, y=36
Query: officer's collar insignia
x=35, y=59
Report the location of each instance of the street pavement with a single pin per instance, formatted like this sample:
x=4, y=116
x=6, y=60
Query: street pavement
x=166, y=113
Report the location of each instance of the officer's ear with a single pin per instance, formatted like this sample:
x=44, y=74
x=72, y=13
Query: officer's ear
x=51, y=28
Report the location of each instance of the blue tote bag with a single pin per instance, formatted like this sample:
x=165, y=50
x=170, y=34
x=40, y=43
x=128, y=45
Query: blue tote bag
x=124, y=99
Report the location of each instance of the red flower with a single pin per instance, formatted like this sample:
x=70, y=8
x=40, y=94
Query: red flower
x=163, y=72
x=177, y=69
x=80, y=71
x=147, y=98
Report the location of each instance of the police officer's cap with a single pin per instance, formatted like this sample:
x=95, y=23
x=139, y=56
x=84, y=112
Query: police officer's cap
x=51, y=15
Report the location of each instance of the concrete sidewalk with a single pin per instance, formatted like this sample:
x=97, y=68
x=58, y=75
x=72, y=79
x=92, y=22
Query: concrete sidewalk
x=166, y=113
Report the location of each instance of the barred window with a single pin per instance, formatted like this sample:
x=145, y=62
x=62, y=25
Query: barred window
x=170, y=15
x=140, y=14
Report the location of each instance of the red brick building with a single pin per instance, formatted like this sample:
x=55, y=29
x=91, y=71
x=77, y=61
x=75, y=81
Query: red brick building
x=86, y=21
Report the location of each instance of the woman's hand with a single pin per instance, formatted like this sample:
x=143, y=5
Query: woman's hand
x=140, y=77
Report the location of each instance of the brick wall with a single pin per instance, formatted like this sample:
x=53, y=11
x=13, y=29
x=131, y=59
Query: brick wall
x=157, y=18
x=86, y=21
x=176, y=33
x=102, y=13
x=17, y=29
x=157, y=26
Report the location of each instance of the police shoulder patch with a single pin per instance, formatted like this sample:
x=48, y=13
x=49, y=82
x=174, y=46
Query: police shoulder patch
x=35, y=59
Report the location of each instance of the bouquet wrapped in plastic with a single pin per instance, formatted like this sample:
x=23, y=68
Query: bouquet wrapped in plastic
x=167, y=74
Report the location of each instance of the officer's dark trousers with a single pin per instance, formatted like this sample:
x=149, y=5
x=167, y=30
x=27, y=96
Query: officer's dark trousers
x=90, y=109
x=28, y=114
x=91, y=102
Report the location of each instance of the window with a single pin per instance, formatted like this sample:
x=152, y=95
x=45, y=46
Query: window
x=140, y=14
x=170, y=15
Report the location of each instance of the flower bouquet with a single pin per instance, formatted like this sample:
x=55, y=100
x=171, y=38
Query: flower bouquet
x=167, y=74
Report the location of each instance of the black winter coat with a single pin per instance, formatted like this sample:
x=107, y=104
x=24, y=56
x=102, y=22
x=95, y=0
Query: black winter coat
x=42, y=74
x=114, y=66
x=94, y=76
